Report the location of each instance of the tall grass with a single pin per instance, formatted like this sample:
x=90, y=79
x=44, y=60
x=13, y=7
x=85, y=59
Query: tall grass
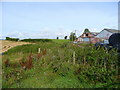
x=56, y=69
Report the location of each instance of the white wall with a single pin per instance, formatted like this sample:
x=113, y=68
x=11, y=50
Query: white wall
x=104, y=34
x=80, y=39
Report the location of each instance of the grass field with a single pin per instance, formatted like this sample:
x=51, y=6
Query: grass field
x=59, y=64
x=6, y=45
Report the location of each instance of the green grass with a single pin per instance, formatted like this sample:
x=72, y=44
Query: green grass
x=60, y=41
x=92, y=69
x=46, y=40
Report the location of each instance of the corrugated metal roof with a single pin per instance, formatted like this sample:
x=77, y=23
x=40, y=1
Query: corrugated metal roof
x=112, y=30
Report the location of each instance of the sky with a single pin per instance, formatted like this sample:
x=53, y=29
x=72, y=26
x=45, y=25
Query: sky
x=56, y=19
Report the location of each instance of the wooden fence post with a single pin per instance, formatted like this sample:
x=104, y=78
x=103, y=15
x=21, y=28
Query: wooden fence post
x=74, y=57
x=84, y=60
x=38, y=50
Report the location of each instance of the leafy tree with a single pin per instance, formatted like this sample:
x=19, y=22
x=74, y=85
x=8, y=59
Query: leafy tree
x=72, y=36
x=65, y=37
x=7, y=38
x=86, y=30
x=57, y=37
x=12, y=39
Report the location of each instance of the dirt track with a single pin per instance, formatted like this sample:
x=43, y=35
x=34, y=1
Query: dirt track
x=6, y=45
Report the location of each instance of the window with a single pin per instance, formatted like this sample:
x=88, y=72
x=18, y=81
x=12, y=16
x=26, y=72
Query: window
x=86, y=34
x=86, y=39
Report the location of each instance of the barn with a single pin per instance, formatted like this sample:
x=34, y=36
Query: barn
x=106, y=33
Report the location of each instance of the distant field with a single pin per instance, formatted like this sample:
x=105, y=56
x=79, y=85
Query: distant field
x=6, y=45
x=60, y=40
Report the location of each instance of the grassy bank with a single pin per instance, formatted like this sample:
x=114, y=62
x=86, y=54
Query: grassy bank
x=59, y=64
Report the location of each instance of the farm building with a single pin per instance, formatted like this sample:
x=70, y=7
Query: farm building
x=106, y=33
x=88, y=37
x=94, y=37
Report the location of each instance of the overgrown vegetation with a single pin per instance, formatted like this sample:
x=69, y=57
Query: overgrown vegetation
x=60, y=65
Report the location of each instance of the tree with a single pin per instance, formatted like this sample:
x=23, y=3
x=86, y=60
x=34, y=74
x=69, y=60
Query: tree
x=72, y=36
x=86, y=30
x=57, y=37
x=7, y=38
x=12, y=39
x=65, y=37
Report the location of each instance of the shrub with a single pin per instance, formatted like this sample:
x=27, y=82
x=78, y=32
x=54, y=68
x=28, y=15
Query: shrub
x=12, y=39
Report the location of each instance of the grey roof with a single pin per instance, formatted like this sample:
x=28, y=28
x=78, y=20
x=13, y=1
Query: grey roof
x=112, y=30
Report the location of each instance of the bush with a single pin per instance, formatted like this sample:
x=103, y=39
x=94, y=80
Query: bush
x=12, y=39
